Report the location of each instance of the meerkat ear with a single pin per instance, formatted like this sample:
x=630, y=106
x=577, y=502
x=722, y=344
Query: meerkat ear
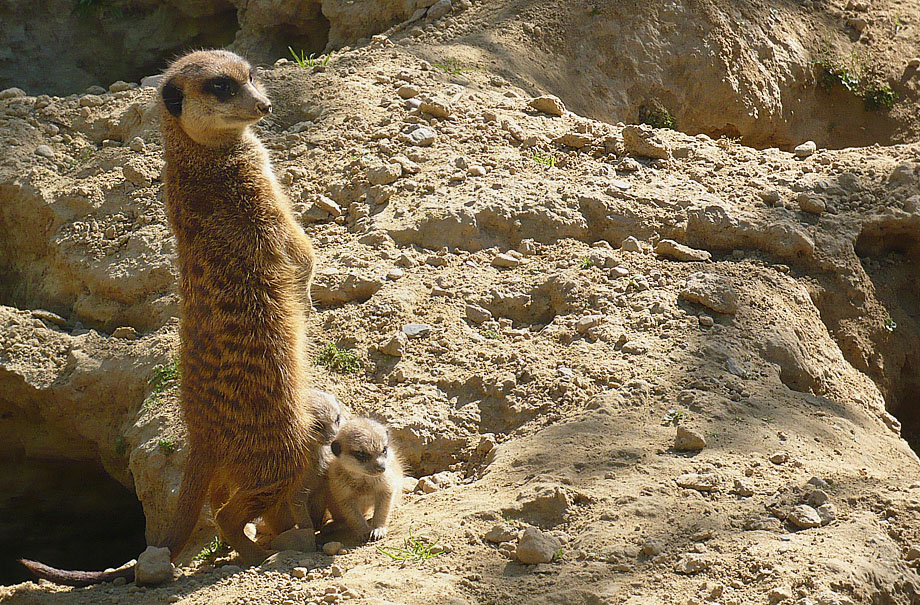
x=336, y=448
x=172, y=98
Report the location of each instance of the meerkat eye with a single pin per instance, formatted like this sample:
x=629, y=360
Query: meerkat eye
x=384, y=450
x=361, y=456
x=250, y=77
x=222, y=87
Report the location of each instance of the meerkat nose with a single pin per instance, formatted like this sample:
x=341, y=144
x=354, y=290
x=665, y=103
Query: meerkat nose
x=264, y=108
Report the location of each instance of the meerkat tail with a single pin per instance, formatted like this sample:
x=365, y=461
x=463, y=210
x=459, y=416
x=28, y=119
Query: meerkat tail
x=76, y=578
x=195, y=485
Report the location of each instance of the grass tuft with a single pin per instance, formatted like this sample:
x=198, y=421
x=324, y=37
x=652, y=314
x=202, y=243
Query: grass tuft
x=338, y=360
x=452, y=66
x=212, y=550
x=312, y=60
x=167, y=445
x=549, y=160
x=413, y=549
x=165, y=376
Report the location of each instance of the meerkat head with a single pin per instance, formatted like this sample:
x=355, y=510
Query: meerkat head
x=328, y=414
x=362, y=447
x=213, y=95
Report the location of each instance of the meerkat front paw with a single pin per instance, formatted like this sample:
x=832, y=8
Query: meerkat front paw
x=378, y=533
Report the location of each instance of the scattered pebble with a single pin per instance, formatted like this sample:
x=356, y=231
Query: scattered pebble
x=396, y=345
x=506, y=261
x=153, y=567
x=548, y=104
x=804, y=517
x=805, y=150
x=416, y=330
x=688, y=440
x=502, y=533
x=671, y=249
x=332, y=548
x=535, y=547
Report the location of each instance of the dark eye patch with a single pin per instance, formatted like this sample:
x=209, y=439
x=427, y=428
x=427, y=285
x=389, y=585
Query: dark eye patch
x=361, y=456
x=222, y=87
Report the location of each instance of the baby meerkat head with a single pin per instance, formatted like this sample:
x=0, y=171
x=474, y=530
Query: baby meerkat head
x=328, y=414
x=363, y=447
x=213, y=95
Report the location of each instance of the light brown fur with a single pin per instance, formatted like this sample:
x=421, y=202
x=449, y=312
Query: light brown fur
x=245, y=268
x=354, y=487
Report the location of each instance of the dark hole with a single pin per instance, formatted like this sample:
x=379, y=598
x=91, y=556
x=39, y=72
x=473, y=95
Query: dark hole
x=906, y=404
x=71, y=515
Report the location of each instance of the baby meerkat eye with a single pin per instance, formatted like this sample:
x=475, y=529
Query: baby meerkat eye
x=384, y=450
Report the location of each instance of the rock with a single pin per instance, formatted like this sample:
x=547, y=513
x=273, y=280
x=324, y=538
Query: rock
x=505, y=261
x=706, y=482
x=137, y=144
x=44, y=151
x=818, y=497
x=48, y=316
x=151, y=81
x=858, y=23
x=912, y=64
x=436, y=108
x=804, y=517
x=126, y=332
x=336, y=571
x=770, y=196
x=762, y=523
x=652, y=548
x=548, y=104
x=644, y=141
x=779, y=457
x=134, y=174
x=671, y=249
x=535, y=547
x=12, y=93
x=628, y=164
x=742, y=488
x=395, y=273
x=631, y=244
x=409, y=484
x=423, y=136
x=779, y=594
x=303, y=540
x=706, y=321
x=91, y=101
x=827, y=512
x=712, y=291
x=332, y=548
x=476, y=170
x=575, y=140
x=692, y=563
x=333, y=287
x=328, y=205
x=300, y=572
x=407, y=91
x=439, y=9
x=395, y=346
x=545, y=505
x=818, y=482
x=587, y=322
x=913, y=553
x=688, y=440
x=811, y=204
x=416, y=330
x=477, y=314
x=153, y=567
x=383, y=174
x=501, y=533
x=805, y=150
x=121, y=86
x=427, y=485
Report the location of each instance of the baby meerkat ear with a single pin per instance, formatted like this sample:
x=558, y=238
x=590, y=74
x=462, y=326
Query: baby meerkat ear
x=172, y=98
x=336, y=448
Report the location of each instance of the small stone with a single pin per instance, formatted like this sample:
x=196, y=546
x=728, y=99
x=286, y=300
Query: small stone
x=692, y=563
x=670, y=249
x=303, y=540
x=299, y=572
x=95, y=89
x=416, y=330
x=439, y=9
x=912, y=64
x=858, y=23
x=48, y=316
x=779, y=594
x=818, y=482
x=153, y=567
x=535, y=547
x=476, y=171
x=327, y=204
x=818, y=497
x=45, y=151
x=811, y=204
x=427, y=486
x=336, y=571
x=779, y=457
x=477, y=314
x=173, y=598
x=505, y=261
x=804, y=517
x=121, y=86
x=384, y=174
x=706, y=321
x=805, y=150
x=631, y=244
x=628, y=164
x=701, y=482
x=151, y=81
x=688, y=440
x=652, y=548
x=742, y=488
x=501, y=533
x=913, y=553
x=137, y=144
x=827, y=512
x=436, y=108
x=575, y=140
x=126, y=332
x=332, y=548
x=409, y=484
x=407, y=91
x=644, y=141
x=91, y=101
x=770, y=196
x=119, y=582
x=12, y=93
x=712, y=291
x=587, y=322
x=135, y=175
x=548, y=104
x=396, y=345
x=422, y=136
x=395, y=274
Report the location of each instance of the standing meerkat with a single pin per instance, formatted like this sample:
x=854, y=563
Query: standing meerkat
x=364, y=474
x=245, y=268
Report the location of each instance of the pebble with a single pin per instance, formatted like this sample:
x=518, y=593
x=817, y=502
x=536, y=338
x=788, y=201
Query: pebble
x=575, y=140
x=91, y=101
x=912, y=64
x=409, y=484
x=811, y=204
x=336, y=571
x=651, y=548
x=173, y=598
x=134, y=174
x=688, y=440
x=476, y=171
x=548, y=104
x=153, y=567
x=137, y=144
x=384, y=174
x=587, y=322
x=804, y=517
x=395, y=273
x=422, y=136
x=631, y=244
x=692, y=563
x=670, y=249
x=436, y=108
x=644, y=141
x=439, y=9
x=49, y=317
x=702, y=482
x=505, y=261
x=501, y=533
x=303, y=540
x=416, y=330
x=332, y=548
x=706, y=321
x=743, y=488
x=534, y=547
x=913, y=553
x=299, y=572
x=396, y=345
x=779, y=457
x=125, y=332
x=628, y=164
x=45, y=151
x=858, y=23
x=119, y=582
x=712, y=291
x=818, y=482
x=779, y=594
x=477, y=314
x=121, y=86
x=407, y=91
x=328, y=204
x=805, y=150
x=818, y=497
x=12, y=93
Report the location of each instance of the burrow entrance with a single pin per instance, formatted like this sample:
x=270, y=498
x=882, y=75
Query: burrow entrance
x=69, y=514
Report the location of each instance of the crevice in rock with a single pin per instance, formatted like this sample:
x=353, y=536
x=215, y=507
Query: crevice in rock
x=69, y=514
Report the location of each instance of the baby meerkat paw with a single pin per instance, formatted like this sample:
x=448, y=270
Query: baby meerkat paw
x=378, y=533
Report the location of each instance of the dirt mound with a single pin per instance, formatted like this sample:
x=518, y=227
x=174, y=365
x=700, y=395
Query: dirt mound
x=555, y=338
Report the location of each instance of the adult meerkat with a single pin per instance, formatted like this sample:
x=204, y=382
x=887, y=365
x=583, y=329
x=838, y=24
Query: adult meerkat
x=244, y=268
x=364, y=474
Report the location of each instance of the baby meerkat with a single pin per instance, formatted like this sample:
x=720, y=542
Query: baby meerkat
x=365, y=473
